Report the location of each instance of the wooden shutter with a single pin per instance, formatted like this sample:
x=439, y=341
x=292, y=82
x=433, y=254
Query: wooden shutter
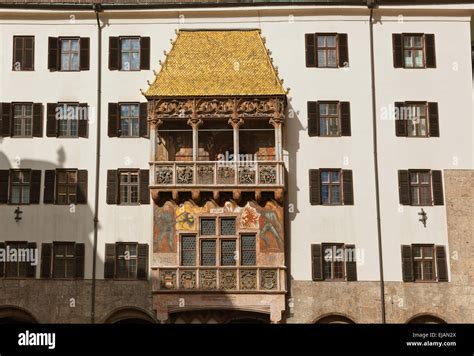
x=4, y=176
x=343, y=49
x=114, y=53
x=437, y=178
x=81, y=186
x=37, y=120
x=433, y=119
x=49, y=183
x=142, y=264
x=35, y=187
x=351, y=265
x=18, y=46
x=29, y=53
x=143, y=126
x=46, y=256
x=51, y=122
x=112, y=186
x=311, y=49
x=79, y=260
x=441, y=264
x=6, y=119
x=83, y=122
x=31, y=269
x=144, y=186
x=316, y=262
x=397, y=40
x=2, y=262
x=314, y=187
x=313, y=118
x=84, y=59
x=404, y=187
x=407, y=264
x=347, y=188
x=114, y=119
x=144, y=52
x=53, y=53
x=430, y=51
x=109, y=264
x=345, y=108
x=400, y=121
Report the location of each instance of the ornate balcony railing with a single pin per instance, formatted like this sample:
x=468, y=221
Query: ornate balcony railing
x=219, y=279
x=217, y=173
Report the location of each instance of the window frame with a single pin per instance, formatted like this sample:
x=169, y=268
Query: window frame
x=328, y=116
x=68, y=186
x=326, y=49
x=128, y=184
x=423, y=49
x=334, y=245
x=55, y=245
x=22, y=117
x=117, y=258
x=426, y=115
x=23, y=52
x=77, y=108
x=341, y=193
x=129, y=52
x=419, y=185
x=60, y=51
x=129, y=118
x=10, y=186
x=18, y=276
x=421, y=260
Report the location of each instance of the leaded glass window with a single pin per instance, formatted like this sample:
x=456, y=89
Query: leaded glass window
x=228, y=252
x=208, y=252
x=188, y=250
x=248, y=250
x=228, y=226
x=208, y=227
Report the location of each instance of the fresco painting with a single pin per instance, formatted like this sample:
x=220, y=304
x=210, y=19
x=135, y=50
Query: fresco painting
x=164, y=228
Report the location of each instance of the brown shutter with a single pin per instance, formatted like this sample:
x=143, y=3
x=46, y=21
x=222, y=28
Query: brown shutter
x=6, y=119
x=404, y=187
x=400, y=121
x=347, y=188
x=31, y=269
x=113, y=119
x=311, y=55
x=81, y=186
x=142, y=264
x=437, y=177
x=351, y=263
x=53, y=53
x=79, y=259
x=441, y=264
x=2, y=262
x=4, y=176
x=314, y=187
x=397, y=50
x=143, y=126
x=37, y=120
x=407, y=264
x=18, y=46
x=433, y=119
x=430, y=51
x=313, y=118
x=345, y=108
x=144, y=52
x=83, y=122
x=46, y=256
x=35, y=187
x=114, y=49
x=112, y=186
x=49, y=182
x=316, y=262
x=84, y=55
x=144, y=186
x=109, y=264
x=343, y=49
x=29, y=50
x=51, y=121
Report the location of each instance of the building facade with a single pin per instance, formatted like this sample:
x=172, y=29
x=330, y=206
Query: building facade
x=283, y=163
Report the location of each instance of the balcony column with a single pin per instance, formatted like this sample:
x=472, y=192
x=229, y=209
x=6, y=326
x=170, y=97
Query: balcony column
x=194, y=122
x=277, y=123
x=235, y=121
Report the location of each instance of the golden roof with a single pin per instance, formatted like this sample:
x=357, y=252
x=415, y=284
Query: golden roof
x=217, y=62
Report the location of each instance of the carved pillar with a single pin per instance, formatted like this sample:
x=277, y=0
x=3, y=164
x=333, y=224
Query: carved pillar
x=236, y=122
x=277, y=123
x=194, y=123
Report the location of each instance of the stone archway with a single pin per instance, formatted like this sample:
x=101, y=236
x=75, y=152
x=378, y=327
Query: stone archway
x=129, y=315
x=426, y=319
x=218, y=316
x=16, y=315
x=334, y=319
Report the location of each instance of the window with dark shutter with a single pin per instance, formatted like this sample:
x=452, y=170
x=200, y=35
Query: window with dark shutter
x=83, y=120
x=313, y=118
x=407, y=264
x=441, y=264
x=433, y=119
x=5, y=119
x=310, y=42
x=345, y=112
x=404, y=187
x=397, y=50
x=314, y=187
x=49, y=183
x=142, y=270
x=53, y=53
x=144, y=186
x=347, y=188
x=4, y=175
x=343, y=51
x=351, y=262
x=81, y=187
x=109, y=264
x=112, y=186
x=114, y=50
x=46, y=253
x=437, y=182
x=51, y=120
x=23, y=53
x=79, y=260
x=430, y=51
x=144, y=53
x=400, y=120
x=84, y=59
x=35, y=186
x=31, y=268
x=316, y=262
x=143, y=125
x=113, y=122
x=37, y=120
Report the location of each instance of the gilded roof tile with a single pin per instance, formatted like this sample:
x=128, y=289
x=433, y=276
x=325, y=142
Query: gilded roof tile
x=217, y=62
